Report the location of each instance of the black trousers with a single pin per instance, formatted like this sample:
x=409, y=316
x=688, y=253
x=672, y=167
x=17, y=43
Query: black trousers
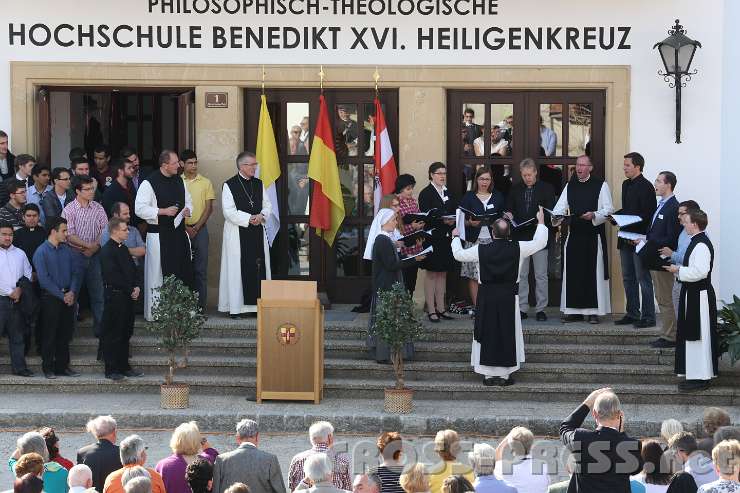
x=13, y=324
x=57, y=325
x=409, y=276
x=118, y=327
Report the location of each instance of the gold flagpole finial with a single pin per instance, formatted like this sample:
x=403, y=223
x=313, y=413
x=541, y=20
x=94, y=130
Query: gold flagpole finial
x=322, y=75
x=263, y=79
x=376, y=77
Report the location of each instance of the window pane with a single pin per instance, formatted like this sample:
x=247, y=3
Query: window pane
x=580, y=118
x=298, y=235
x=147, y=105
x=298, y=118
x=132, y=136
x=552, y=174
x=348, y=252
x=348, y=181
x=501, y=133
x=471, y=126
x=346, y=129
x=551, y=129
x=298, y=189
x=147, y=132
x=131, y=105
x=369, y=189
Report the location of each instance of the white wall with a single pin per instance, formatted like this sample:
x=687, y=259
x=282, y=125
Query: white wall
x=695, y=161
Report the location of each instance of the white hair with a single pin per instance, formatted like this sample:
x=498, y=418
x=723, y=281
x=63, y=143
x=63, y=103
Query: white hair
x=79, y=475
x=320, y=431
x=607, y=405
x=33, y=441
x=131, y=450
x=482, y=459
x=247, y=428
x=670, y=427
x=130, y=473
x=138, y=485
x=101, y=426
x=317, y=467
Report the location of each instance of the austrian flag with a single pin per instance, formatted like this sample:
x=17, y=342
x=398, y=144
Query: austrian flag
x=385, y=164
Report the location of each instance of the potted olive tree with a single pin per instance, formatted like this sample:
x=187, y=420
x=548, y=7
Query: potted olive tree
x=396, y=324
x=176, y=321
x=728, y=330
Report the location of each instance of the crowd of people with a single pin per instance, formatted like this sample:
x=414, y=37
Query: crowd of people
x=604, y=459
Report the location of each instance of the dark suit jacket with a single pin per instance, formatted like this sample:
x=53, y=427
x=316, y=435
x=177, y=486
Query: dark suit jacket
x=471, y=202
x=544, y=195
x=11, y=166
x=663, y=232
x=638, y=199
x=103, y=458
x=51, y=206
x=606, y=457
x=249, y=465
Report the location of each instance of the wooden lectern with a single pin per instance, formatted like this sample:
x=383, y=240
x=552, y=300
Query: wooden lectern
x=290, y=342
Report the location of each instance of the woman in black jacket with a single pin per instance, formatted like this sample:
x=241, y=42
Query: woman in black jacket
x=440, y=261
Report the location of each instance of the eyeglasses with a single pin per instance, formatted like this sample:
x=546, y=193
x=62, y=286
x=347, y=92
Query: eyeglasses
x=63, y=179
x=441, y=173
x=87, y=189
x=251, y=164
x=483, y=179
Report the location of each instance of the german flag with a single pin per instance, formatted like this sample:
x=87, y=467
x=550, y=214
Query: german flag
x=327, y=205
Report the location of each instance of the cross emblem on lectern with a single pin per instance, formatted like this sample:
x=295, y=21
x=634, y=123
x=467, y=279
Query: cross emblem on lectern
x=287, y=334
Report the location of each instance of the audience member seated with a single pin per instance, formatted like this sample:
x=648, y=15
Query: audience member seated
x=55, y=476
x=199, y=475
x=28, y=484
x=238, y=488
x=447, y=446
x=483, y=461
x=656, y=471
x=668, y=428
x=415, y=480
x=248, y=464
x=713, y=419
x=727, y=433
x=726, y=457
x=102, y=457
x=368, y=483
x=30, y=463
x=52, y=445
x=185, y=445
x=321, y=435
x=514, y=463
x=695, y=461
x=79, y=478
x=138, y=485
x=133, y=453
x=682, y=482
x=390, y=447
x=134, y=472
x=456, y=484
x=319, y=475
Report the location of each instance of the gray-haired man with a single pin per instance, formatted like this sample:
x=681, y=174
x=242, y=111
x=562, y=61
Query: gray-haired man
x=247, y=464
x=133, y=454
x=102, y=457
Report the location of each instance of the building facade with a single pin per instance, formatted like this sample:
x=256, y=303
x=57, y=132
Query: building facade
x=184, y=73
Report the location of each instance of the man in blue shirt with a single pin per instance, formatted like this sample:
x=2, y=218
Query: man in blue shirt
x=59, y=276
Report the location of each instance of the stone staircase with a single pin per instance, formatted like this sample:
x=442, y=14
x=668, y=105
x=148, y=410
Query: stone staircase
x=563, y=363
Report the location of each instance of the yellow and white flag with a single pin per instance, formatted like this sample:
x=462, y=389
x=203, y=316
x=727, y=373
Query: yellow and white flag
x=269, y=168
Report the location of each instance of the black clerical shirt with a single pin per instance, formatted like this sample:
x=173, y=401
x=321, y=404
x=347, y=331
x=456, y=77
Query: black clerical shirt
x=638, y=199
x=119, y=270
x=29, y=240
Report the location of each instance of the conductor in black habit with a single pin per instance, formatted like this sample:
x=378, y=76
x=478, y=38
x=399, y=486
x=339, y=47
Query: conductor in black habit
x=606, y=456
x=121, y=291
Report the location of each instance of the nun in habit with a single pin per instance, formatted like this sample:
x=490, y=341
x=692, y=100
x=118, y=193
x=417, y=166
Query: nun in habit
x=498, y=344
x=245, y=252
x=386, y=271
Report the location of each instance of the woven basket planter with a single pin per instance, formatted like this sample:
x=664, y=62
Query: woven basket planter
x=399, y=401
x=175, y=396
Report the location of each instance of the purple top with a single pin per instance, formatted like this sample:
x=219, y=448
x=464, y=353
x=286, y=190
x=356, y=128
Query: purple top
x=172, y=469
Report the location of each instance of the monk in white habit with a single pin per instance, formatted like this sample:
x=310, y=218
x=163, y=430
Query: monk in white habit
x=163, y=202
x=498, y=342
x=697, y=351
x=245, y=252
x=587, y=202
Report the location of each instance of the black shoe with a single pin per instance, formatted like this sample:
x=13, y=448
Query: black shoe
x=593, y=319
x=49, y=375
x=116, y=377
x=491, y=381
x=541, y=316
x=571, y=318
x=644, y=324
x=505, y=382
x=435, y=320
x=233, y=316
x=694, y=385
x=662, y=343
x=444, y=316
x=24, y=373
x=626, y=320
x=131, y=373
x=523, y=315
x=69, y=372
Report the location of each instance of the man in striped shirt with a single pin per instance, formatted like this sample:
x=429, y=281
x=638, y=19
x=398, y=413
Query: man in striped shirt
x=321, y=435
x=86, y=220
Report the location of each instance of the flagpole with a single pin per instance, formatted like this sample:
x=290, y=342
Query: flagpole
x=322, y=75
x=263, y=80
x=376, y=77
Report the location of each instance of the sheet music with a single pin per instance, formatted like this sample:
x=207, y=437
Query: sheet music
x=630, y=236
x=460, y=223
x=623, y=220
x=427, y=250
x=179, y=217
x=640, y=246
x=523, y=223
x=556, y=215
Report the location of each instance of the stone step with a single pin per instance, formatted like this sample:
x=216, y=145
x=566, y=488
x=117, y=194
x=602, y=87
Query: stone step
x=344, y=388
x=242, y=366
x=224, y=347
